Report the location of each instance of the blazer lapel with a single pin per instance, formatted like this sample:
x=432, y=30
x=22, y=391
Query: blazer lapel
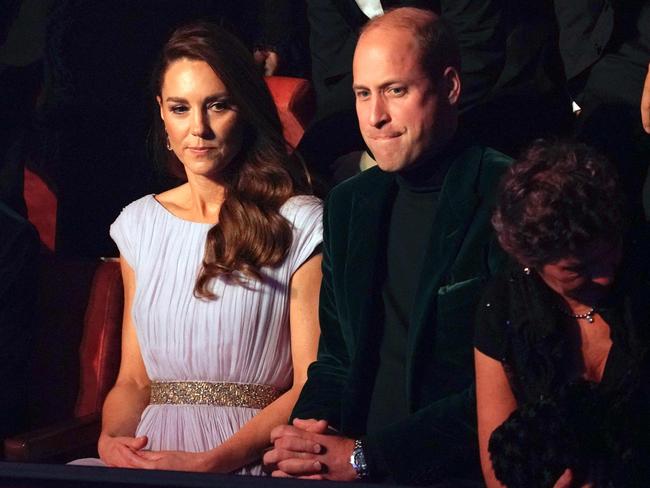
x=367, y=247
x=365, y=263
x=458, y=202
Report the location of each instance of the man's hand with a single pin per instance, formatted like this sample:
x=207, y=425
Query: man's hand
x=304, y=450
x=645, y=103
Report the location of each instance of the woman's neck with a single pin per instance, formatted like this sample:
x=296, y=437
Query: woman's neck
x=206, y=196
x=198, y=200
x=582, y=304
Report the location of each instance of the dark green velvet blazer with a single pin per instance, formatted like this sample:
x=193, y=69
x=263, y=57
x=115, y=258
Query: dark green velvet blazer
x=438, y=439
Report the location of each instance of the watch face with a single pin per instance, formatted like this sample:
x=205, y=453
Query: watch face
x=358, y=461
x=358, y=457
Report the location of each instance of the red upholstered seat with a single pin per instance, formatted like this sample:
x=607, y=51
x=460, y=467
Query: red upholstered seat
x=99, y=353
x=296, y=104
x=61, y=370
x=41, y=204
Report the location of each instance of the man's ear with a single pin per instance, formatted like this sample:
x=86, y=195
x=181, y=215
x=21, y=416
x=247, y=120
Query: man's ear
x=452, y=85
x=160, y=106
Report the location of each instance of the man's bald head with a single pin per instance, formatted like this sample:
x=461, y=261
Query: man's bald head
x=437, y=43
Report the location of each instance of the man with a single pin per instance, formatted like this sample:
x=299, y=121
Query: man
x=510, y=68
x=407, y=249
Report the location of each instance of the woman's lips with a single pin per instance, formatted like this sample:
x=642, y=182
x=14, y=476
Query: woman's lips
x=201, y=149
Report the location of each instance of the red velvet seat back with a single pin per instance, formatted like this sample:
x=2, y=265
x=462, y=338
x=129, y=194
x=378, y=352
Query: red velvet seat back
x=78, y=339
x=99, y=352
x=63, y=292
x=295, y=101
x=41, y=204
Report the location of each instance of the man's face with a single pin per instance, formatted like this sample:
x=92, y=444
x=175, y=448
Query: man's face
x=404, y=116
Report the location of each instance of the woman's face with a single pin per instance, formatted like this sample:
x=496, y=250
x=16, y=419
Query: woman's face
x=203, y=126
x=587, y=277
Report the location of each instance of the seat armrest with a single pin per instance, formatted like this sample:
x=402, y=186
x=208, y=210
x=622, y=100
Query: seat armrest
x=62, y=441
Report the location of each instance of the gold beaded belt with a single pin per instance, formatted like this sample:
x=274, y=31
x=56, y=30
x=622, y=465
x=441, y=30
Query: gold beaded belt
x=209, y=393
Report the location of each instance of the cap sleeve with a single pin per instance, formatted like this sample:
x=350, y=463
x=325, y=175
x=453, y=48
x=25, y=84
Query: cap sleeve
x=305, y=214
x=123, y=232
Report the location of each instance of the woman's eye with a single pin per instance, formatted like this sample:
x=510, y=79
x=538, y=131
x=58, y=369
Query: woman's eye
x=178, y=109
x=219, y=106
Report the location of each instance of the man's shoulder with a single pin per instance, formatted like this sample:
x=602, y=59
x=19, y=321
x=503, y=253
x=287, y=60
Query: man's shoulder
x=476, y=170
x=497, y=158
x=362, y=185
x=491, y=160
x=493, y=164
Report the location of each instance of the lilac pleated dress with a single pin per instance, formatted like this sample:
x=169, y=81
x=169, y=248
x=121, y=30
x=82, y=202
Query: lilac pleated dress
x=242, y=337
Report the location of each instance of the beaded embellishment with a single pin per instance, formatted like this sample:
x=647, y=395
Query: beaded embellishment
x=208, y=393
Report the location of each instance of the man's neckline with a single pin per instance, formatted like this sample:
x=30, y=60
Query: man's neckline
x=429, y=175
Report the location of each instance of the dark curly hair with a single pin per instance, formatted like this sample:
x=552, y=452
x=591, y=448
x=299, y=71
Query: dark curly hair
x=555, y=200
x=251, y=232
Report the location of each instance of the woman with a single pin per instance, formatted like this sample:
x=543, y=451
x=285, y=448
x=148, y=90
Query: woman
x=561, y=338
x=221, y=274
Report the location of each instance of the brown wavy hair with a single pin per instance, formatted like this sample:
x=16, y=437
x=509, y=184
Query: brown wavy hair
x=558, y=198
x=251, y=232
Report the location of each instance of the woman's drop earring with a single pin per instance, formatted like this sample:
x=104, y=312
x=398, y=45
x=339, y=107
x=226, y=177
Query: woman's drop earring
x=167, y=143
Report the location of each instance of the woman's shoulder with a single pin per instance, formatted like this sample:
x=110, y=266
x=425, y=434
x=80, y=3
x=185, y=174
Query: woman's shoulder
x=137, y=208
x=299, y=209
x=511, y=309
x=500, y=288
x=305, y=215
x=173, y=195
x=129, y=226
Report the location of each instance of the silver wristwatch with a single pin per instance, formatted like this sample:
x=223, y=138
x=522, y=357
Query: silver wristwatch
x=358, y=461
